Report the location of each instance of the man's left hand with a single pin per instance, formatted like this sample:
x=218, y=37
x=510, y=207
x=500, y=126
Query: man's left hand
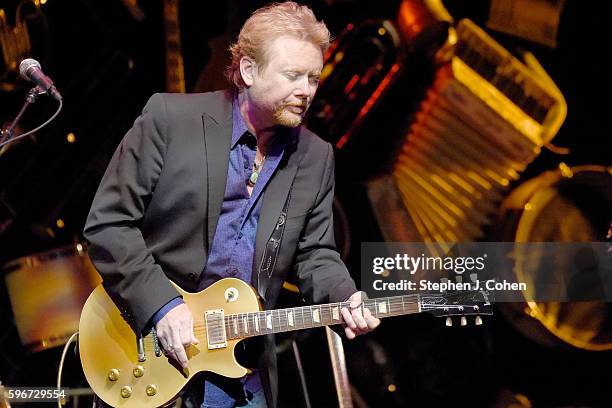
x=355, y=322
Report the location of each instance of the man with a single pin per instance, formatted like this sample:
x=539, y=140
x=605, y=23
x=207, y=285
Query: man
x=196, y=189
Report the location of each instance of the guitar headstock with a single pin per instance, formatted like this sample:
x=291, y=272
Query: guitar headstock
x=458, y=303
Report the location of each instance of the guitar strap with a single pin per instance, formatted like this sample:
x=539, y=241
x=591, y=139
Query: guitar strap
x=268, y=260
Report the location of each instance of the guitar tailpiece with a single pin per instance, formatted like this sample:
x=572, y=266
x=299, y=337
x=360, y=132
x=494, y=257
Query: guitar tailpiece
x=156, y=347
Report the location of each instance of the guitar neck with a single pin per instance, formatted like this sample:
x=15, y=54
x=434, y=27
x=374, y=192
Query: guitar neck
x=243, y=325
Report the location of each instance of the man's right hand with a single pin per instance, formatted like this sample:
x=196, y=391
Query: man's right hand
x=175, y=333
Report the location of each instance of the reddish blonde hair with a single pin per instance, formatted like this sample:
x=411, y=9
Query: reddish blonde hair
x=288, y=19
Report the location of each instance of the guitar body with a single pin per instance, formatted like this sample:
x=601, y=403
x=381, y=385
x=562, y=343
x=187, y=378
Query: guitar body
x=107, y=343
x=130, y=372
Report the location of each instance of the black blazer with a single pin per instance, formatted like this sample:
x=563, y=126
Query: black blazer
x=156, y=210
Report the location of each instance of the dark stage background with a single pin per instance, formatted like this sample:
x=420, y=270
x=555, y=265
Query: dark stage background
x=107, y=62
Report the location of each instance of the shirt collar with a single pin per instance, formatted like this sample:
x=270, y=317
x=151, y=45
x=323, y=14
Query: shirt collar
x=238, y=124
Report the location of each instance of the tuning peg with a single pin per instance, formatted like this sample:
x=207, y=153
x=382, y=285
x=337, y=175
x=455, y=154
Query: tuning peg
x=478, y=321
x=449, y=321
x=463, y=321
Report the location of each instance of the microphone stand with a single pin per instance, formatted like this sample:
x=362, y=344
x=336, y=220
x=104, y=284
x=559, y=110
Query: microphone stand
x=31, y=97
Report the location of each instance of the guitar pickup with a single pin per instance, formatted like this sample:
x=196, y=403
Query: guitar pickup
x=141, y=349
x=215, y=329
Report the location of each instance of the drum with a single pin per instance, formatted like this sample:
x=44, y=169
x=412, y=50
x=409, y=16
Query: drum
x=566, y=205
x=47, y=292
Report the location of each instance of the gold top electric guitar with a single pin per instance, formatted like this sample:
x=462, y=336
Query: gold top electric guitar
x=132, y=372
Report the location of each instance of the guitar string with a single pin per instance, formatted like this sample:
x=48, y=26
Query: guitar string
x=322, y=308
x=282, y=314
x=239, y=323
x=148, y=341
x=283, y=321
x=236, y=322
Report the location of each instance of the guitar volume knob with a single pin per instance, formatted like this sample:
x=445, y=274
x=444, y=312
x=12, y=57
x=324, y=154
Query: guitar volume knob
x=138, y=371
x=151, y=390
x=126, y=391
x=113, y=375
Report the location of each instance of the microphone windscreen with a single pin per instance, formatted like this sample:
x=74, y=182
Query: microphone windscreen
x=26, y=65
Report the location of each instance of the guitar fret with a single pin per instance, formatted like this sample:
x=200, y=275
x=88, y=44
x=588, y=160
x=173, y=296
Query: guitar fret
x=302, y=314
x=286, y=326
x=285, y=319
x=304, y=317
x=381, y=307
x=336, y=312
x=327, y=315
x=316, y=314
x=397, y=307
x=279, y=316
x=290, y=318
x=256, y=317
x=308, y=320
x=276, y=323
x=298, y=313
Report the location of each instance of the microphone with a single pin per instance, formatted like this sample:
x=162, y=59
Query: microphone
x=30, y=69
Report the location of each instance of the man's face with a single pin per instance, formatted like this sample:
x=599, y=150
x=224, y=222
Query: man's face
x=283, y=91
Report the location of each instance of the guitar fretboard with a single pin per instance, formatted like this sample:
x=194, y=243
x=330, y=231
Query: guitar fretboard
x=244, y=325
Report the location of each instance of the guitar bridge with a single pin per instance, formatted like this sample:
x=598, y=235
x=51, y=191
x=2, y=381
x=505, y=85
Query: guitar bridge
x=215, y=329
x=156, y=346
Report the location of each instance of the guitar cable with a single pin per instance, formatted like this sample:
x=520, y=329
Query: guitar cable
x=61, y=366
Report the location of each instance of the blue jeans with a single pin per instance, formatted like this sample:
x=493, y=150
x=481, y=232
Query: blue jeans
x=220, y=392
x=258, y=400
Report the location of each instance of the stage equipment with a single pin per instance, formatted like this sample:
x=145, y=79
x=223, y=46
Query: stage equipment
x=359, y=68
x=484, y=119
x=47, y=291
x=15, y=45
x=571, y=204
